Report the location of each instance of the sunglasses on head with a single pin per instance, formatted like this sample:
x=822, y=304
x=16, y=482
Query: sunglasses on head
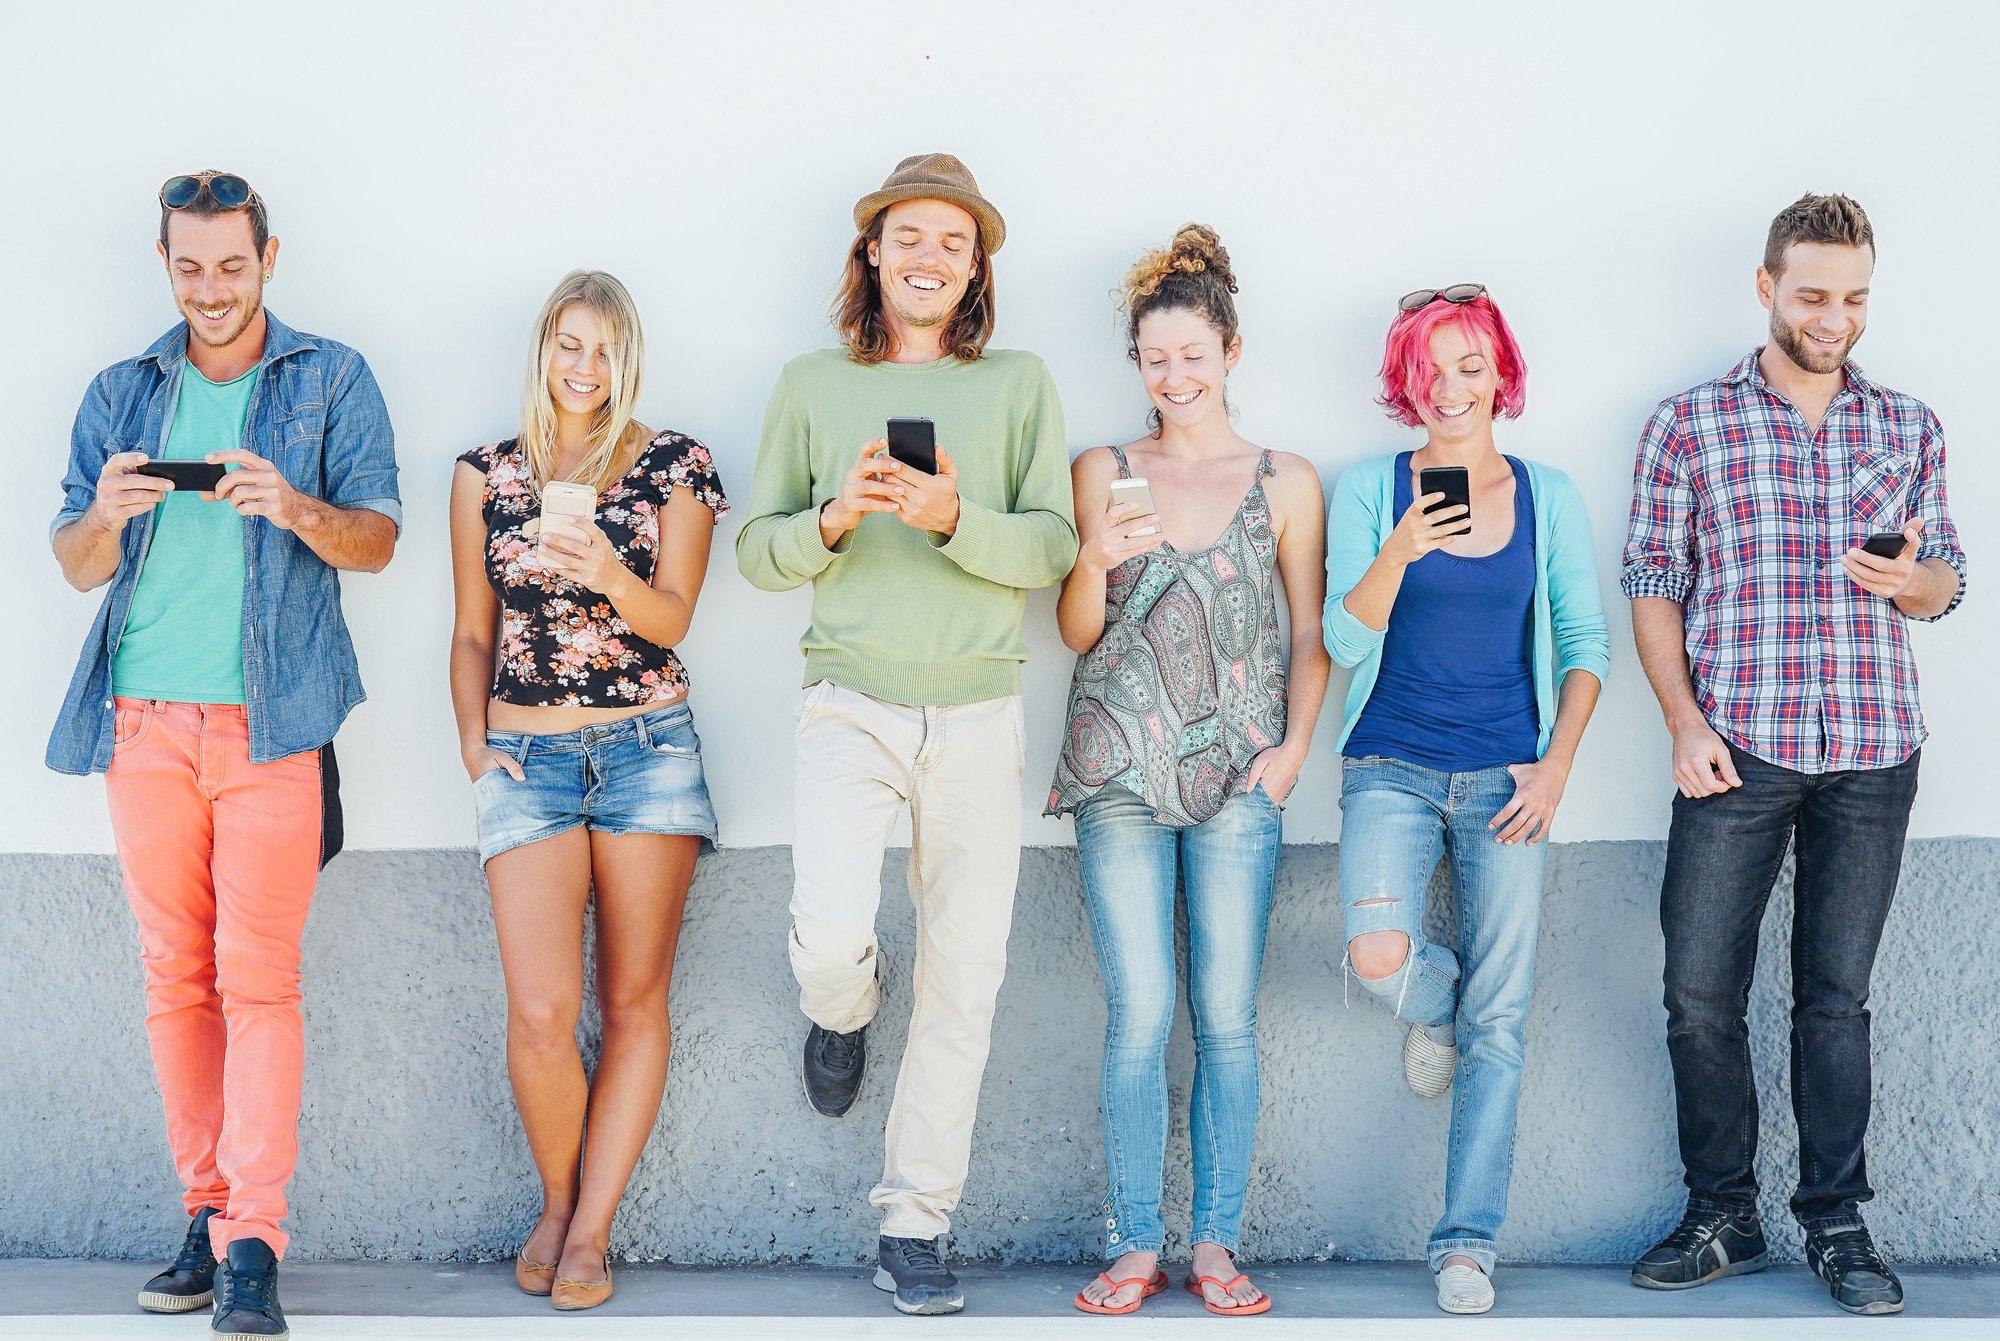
x=1418, y=299
x=224, y=188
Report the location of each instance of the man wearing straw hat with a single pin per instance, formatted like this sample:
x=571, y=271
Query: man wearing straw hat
x=913, y=656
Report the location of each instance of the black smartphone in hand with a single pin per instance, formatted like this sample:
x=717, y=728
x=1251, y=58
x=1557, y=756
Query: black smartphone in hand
x=1455, y=483
x=199, y=476
x=914, y=443
x=1885, y=544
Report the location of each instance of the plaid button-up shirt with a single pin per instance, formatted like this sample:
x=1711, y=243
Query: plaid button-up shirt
x=1741, y=513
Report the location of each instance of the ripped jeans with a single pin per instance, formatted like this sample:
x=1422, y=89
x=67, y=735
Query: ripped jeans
x=1396, y=819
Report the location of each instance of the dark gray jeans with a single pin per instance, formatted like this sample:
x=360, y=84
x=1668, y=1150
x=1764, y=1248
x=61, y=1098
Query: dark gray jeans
x=1723, y=856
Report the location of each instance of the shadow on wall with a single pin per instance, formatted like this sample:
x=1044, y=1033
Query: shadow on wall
x=409, y=1147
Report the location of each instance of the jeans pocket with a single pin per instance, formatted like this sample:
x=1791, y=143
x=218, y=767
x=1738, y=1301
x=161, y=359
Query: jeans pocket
x=810, y=703
x=127, y=725
x=676, y=738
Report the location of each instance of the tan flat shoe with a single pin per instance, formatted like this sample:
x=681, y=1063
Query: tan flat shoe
x=536, y=1278
x=569, y=1295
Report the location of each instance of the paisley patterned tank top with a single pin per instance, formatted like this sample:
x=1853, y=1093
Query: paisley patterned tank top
x=1187, y=683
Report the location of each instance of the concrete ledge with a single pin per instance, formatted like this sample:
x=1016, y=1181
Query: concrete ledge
x=410, y=1147
x=329, y=1300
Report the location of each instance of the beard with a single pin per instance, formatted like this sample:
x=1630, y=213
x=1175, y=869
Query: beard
x=247, y=307
x=920, y=320
x=1792, y=342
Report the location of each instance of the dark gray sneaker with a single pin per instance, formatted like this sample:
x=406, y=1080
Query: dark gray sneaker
x=832, y=1069
x=918, y=1276
x=246, y=1293
x=190, y=1282
x=1706, y=1245
x=1853, y=1271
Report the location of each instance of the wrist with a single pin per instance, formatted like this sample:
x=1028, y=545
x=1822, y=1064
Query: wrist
x=95, y=519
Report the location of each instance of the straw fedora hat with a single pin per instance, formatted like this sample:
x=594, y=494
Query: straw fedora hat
x=934, y=177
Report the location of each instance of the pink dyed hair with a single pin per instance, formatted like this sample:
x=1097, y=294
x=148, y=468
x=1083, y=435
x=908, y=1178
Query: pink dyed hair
x=1406, y=356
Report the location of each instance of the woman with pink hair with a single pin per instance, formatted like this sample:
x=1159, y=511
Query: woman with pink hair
x=1462, y=589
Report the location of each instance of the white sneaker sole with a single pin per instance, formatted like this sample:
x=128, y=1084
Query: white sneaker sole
x=174, y=1303
x=885, y=1281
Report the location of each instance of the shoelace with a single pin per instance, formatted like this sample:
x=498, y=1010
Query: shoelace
x=1695, y=1229
x=837, y=1050
x=195, y=1253
x=922, y=1253
x=250, y=1290
x=1850, y=1251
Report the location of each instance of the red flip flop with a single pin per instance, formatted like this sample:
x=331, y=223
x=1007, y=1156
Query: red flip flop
x=1153, y=1287
x=1193, y=1285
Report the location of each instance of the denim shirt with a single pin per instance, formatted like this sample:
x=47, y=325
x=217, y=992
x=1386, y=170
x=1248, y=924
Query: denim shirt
x=318, y=416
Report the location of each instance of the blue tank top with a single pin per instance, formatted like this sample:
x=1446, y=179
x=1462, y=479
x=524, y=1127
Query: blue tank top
x=1456, y=692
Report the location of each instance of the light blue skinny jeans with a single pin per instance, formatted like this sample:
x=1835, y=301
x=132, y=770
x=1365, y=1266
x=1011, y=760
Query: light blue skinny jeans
x=1397, y=817
x=1228, y=866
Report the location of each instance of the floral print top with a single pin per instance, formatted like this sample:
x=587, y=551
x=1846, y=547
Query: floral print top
x=562, y=644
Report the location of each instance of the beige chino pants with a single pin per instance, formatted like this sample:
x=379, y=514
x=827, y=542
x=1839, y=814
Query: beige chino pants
x=860, y=760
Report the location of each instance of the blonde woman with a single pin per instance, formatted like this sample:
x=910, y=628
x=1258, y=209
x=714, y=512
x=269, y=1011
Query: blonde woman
x=586, y=771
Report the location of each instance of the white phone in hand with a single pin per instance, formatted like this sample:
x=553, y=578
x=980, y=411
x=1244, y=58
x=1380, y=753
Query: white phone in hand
x=565, y=504
x=1136, y=490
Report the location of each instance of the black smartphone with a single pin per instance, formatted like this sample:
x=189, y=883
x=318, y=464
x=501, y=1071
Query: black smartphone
x=199, y=476
x=1455, y=483
x=914, y=443
x=1885, y=544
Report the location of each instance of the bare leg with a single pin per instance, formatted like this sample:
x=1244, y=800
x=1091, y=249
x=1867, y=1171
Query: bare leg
x=642, y=885
x=539, y=891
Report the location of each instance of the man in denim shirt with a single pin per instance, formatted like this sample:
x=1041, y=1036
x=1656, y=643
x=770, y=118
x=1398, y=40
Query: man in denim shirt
x=213, y=679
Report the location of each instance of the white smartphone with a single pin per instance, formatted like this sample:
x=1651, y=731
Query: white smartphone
x=1135, y=490
x=566, y=503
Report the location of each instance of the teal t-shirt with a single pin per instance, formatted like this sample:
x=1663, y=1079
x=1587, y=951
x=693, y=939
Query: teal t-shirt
x=183, y=639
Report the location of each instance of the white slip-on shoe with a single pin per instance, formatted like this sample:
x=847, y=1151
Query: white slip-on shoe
x=1428, y=1065
x=1464, y=1289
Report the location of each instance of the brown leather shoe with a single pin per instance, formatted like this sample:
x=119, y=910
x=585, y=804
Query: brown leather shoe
x=536, y=1278
x=569, y=1295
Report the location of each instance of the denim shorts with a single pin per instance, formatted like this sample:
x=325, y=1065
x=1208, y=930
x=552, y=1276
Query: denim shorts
x=638, y=775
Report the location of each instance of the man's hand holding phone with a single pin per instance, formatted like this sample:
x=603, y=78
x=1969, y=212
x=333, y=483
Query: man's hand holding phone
x=259, y=489
x=864, y=490
x=928, y=502
x=1884, y=576
x=123, y=494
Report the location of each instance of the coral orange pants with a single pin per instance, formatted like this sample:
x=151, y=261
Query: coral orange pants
x=220, y=856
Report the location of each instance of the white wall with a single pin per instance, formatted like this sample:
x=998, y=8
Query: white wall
x=1607, y=170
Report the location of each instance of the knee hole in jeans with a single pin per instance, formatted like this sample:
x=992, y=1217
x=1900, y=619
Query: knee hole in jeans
x=1378, y=954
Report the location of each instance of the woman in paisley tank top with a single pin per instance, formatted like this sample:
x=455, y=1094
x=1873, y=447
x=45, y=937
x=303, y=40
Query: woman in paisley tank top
x=575, y=729
x=1185, y=733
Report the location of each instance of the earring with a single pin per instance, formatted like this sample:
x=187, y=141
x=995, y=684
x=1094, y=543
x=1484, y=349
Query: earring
x=267, y=277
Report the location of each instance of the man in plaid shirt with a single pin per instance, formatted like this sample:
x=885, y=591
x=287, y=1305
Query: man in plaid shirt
x=1755, y=495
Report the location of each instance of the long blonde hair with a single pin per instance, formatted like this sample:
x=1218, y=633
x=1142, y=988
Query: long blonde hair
x=613, y=426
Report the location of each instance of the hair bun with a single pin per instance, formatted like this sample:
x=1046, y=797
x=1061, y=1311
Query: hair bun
x=1196, y=249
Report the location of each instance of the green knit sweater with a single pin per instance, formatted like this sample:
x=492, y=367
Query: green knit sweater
x=903, y=615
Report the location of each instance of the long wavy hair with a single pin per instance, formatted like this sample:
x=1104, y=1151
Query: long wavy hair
x=612, y=428
x=857, y=306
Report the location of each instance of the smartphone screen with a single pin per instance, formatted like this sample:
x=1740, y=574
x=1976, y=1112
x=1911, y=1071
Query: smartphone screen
x=1455, y=483
x=914, y=443
x=1136, y=490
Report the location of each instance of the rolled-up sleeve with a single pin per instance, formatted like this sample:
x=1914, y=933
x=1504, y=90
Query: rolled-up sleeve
x=361, y=445
x=1659, y=541
x=89, y=449
x=1928, y=501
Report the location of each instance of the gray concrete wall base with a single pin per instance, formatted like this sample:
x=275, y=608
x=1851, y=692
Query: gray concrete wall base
x=410, y=1148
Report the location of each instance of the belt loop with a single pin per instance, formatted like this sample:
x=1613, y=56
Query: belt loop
x=645, y=732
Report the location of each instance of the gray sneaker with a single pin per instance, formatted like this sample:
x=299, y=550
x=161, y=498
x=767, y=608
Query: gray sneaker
x=1428, y=1065
x=921, y=1282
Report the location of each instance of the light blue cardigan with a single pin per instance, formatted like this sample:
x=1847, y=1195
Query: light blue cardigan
x=1569, y=614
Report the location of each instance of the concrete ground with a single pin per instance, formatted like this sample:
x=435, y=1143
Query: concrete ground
x=1337, y=1301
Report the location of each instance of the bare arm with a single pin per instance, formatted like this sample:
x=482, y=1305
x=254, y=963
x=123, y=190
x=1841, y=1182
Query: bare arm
x=1105, y=542
x=89, y=548
x=475, y=617
x=659, y=612
x=1300, y=505
x=355, y=540
x=1702, y=763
